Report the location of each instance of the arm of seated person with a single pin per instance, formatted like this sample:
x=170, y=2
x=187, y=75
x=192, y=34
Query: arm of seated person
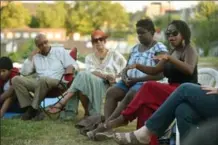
x=7, y=94
x=190, y=61
x=132, y=81
x=70, y=69
x=110, y=78
x=69, y=73
x=7, y=103
x=99, y=74
x=28, y=65
x=27, y=68
x=150, y=77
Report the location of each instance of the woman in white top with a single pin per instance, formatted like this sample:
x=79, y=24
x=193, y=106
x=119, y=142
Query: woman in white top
x=102, y=68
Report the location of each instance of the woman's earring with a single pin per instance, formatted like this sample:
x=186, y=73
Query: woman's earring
x=183, y=43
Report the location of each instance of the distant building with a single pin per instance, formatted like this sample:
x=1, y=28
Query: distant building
x=13, y=39
x=158, y=8
x=29, y=33
x=187, y=13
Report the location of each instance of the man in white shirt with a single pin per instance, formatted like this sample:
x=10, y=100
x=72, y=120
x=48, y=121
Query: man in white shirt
x=49, y=64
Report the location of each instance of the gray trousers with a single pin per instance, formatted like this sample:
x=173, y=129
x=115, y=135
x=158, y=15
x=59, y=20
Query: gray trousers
x=40, y=87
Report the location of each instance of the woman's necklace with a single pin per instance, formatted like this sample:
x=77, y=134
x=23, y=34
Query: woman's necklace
x=102, y=56
x=143, y=48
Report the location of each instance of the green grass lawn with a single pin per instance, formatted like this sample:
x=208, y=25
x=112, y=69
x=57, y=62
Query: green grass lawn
x=17, y=132
x=47, y=132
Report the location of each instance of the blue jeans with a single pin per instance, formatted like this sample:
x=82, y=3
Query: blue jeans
x=189, y=104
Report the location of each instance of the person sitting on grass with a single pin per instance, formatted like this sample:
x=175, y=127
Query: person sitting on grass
x=7, y=94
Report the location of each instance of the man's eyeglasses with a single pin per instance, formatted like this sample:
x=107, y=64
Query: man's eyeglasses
x=97, y=39
x=173, y=33
x=42, y=43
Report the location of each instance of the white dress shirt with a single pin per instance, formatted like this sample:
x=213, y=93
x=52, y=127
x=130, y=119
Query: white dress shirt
x=53, y=65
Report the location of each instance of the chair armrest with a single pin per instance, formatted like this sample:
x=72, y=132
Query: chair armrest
x=68, y=77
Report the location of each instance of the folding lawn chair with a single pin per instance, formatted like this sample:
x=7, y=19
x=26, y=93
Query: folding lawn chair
x=57, y=92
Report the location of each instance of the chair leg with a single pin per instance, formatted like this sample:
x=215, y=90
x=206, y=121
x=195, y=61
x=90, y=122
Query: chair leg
x=59, y=99
x=42, y=107
x=177, y=136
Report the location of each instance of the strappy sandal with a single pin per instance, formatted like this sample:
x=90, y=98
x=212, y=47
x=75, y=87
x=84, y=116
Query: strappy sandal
x=101, y=136
x=92, y=134
x=124, y=141
x=51, y=108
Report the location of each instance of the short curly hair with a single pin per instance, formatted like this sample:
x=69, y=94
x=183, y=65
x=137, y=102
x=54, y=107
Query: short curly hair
x=146, y=24
x=184, y=29
x=6, y=63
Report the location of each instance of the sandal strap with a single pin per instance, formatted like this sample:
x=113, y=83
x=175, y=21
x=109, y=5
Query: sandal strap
x=61, y=108
x=61, y=104
x=134, y=140
x=124, y=141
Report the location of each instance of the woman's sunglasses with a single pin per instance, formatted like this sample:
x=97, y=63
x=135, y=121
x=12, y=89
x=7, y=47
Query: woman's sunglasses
x=173, y=33
x=97, y=39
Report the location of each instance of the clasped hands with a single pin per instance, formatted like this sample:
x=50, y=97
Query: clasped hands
x=129, y=81
x=110, y=78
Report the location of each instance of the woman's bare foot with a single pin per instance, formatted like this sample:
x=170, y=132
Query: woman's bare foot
x=58, y=107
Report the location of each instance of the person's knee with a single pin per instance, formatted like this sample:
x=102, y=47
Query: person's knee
x=114, y=93
x=129, y=96
x=187, y=86
x=109, y=93
x=186, y=114
x=84, y=73
x=180, y=111
x=42, y=80
x=16, y=80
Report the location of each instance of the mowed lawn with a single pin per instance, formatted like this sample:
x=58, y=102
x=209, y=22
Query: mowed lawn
x=47, y=132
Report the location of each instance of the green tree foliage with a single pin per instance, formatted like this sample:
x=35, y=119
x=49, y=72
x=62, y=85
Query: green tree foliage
x=85, y=16
x=82, y=17
x=207, y=10
x=117, y=20
x=163, y=21
x=24, y=51
x=51, y=16
x=204, y=25
x=34, y=22
x=14, y=16
x=133, y=18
